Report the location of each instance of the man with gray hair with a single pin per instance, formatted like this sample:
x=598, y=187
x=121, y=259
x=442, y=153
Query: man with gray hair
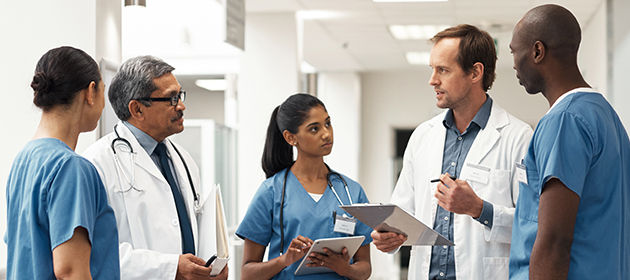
x=152, y=183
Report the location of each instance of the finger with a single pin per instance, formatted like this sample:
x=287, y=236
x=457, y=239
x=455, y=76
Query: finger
x=446, y=179
x=305, y=241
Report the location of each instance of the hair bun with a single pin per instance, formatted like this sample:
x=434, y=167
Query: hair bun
x=41, y=83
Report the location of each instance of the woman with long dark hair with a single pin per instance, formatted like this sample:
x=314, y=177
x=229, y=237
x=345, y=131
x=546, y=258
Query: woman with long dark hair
x=299, y=201
x=60, y=225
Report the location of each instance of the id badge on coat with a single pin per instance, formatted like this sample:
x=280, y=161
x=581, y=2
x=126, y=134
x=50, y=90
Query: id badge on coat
x=344, y=224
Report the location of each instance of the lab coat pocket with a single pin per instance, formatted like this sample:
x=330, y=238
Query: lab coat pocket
x=496, y=268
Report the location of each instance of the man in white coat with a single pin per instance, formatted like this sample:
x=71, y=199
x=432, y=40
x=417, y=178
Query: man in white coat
x=475, y=141
x=152, y=184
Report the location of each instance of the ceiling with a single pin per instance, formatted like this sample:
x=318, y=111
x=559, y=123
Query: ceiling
x=352, y=35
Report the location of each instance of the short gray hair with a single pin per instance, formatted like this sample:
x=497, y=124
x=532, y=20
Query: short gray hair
x=135, y=80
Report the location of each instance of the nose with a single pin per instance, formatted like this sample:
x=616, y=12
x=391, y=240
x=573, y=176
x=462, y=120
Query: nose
x=180, y=105
x=433, y=80
x=327, y=133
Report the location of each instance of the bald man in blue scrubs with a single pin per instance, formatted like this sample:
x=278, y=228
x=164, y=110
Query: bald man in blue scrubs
x=573, y=213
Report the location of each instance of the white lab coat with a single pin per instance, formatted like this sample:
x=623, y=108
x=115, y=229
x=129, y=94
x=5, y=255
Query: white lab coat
x=480, y=253
x=148, y=226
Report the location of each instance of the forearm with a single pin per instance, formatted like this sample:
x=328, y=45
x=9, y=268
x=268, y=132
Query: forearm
x=358, y=270
x=262, y=270
x=550, y=259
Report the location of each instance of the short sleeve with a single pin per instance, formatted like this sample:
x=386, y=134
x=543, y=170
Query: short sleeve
x=565, y=151
x=257, y=223
x=71, y=200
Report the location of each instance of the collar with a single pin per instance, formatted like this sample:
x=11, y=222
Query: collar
x=564, y=95
x=480, y=119
x=146, y=142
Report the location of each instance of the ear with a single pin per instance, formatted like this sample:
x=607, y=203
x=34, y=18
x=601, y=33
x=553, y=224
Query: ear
x=477, y=72
x=538, y=52
x=289, y=137
x=90, y=93
x=135, y=109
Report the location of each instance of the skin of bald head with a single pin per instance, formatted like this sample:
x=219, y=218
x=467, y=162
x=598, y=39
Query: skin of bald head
x=544, y=46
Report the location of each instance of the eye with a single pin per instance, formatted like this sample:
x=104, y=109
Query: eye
x=313, y=129
x=328, y=124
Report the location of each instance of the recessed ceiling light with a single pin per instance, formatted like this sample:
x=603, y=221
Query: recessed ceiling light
x=212, y=84
x=415, y=32
x=407, y=1
x=418, y=58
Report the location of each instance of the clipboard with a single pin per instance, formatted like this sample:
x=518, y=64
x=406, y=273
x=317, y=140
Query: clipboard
x=390, y=217
x=222, y=237
x=335, y=244
x=213, y=234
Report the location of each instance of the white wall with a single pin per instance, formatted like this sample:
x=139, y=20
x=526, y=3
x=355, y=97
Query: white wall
x=341, y=93
x=30, y=28
x=620, y=49
x=592, y=58
x=268, y=75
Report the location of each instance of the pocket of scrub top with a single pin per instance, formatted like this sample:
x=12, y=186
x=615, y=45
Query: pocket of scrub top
x=528, y=198
x=496, y=268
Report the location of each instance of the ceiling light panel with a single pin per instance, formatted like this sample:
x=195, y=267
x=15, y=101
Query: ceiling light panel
x=415, y=32
x=406, y=1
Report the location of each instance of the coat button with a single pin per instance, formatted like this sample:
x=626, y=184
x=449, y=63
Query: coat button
x=175, y=222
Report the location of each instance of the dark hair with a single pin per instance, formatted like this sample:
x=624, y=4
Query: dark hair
x=292, y=113
x=60, y=74
x=475, y=45
x=134, y=80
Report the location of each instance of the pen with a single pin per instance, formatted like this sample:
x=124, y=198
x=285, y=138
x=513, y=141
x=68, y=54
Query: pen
x=437, y=180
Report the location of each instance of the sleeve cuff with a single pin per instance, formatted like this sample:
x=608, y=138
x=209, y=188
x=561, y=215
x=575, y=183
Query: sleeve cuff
x=487, y=213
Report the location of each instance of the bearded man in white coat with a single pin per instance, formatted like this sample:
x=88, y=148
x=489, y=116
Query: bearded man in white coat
x=475, y=141
x=152, y=183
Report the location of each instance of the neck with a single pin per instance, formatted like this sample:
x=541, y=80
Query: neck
x=559, y=81
x=309, y=168
x=139, y=125
x=60, y=124
x=463, y=115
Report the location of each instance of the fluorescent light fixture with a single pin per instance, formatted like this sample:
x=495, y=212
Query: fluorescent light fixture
x=141, y=3
x=418, y=58
x=406, y=1
x=212, y=84
x=415, y=32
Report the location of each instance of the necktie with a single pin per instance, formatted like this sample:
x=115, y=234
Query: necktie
x=188, y=242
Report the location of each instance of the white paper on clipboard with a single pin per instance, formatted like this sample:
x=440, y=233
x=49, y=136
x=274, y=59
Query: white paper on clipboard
x=213, y=236
x=389, y=217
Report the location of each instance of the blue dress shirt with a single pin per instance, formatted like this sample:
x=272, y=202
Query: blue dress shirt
x=456, y=148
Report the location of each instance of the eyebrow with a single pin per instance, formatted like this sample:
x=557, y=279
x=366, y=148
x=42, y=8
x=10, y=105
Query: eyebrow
x=317, y=123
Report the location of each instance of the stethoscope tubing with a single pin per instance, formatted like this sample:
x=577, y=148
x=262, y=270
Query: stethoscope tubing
x=126, y=143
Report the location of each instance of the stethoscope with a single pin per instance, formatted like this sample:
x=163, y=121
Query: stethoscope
x=125, y=146
x=284, y=186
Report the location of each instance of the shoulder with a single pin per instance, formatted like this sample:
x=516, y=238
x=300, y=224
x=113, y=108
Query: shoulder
x=100, y=147
x=421, y=130
x=508, y=123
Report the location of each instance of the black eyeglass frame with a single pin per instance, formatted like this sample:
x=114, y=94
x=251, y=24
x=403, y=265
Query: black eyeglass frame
x=173, y=99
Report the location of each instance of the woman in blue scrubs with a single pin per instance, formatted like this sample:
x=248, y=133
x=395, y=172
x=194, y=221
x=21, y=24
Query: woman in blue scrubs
x=299, y=201
x=60, y=225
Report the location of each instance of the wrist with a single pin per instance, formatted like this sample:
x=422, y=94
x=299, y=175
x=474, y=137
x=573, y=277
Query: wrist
x=476, y=213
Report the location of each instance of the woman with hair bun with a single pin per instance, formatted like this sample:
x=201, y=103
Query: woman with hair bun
x=299, y=202
x=60, y=225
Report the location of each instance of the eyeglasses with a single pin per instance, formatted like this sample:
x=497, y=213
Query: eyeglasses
x=173, y=99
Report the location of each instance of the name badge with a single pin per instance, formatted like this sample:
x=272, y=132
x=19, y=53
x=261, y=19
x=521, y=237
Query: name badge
x=521, y=173
x=478, y=173
x=344, y=224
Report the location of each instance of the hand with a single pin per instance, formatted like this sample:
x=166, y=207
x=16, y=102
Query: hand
x=297, y=249
x=338, y=262
x=192, y=267
x=221, y=276
x=387, y=241
x=458, y=197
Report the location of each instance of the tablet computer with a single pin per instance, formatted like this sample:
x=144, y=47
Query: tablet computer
x=336, y=244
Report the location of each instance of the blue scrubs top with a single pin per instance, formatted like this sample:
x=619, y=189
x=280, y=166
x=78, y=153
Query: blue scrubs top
x=302, y=216
x=581, y=142
x=51, y=191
